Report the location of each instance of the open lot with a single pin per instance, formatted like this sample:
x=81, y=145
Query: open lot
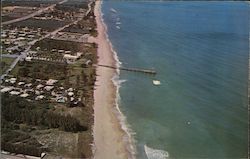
x=5, y=63
x=48, y=25
x=30, y=3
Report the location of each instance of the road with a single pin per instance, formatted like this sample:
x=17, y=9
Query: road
x=24, y=53
x=33, y=14
x=89, y=8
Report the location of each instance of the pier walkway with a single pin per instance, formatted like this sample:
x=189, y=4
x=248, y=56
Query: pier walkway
x=148, y=71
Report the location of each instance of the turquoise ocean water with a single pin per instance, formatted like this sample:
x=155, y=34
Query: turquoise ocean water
x=200, y=53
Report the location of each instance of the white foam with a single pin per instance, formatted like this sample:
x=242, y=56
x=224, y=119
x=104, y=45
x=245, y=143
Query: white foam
x=113, y=10
x=155, y=154
x=128, y=138
x=118, y=23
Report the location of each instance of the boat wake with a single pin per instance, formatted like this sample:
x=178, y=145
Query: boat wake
x=155, y=154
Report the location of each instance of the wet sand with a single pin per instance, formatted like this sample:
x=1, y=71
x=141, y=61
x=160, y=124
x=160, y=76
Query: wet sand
x=107, y=132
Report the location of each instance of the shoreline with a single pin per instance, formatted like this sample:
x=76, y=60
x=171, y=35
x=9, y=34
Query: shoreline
x=109, y=134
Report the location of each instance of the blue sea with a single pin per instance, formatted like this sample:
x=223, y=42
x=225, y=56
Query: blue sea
x=200, y=51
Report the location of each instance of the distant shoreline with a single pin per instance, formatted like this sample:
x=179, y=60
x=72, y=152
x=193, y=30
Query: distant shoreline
x=107, y=132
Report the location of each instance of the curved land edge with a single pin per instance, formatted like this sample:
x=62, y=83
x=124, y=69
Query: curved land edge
x=107, y=132
x=47, y=93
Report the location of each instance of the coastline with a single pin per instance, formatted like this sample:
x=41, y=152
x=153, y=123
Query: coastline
x=109, y=135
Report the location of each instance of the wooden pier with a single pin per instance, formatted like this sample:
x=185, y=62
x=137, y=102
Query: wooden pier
x=131, y=69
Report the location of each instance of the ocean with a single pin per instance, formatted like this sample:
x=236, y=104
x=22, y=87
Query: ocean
x=200, y=51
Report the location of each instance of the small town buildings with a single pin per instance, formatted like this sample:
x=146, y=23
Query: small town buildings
x=70, y=89
x=70, y=58
x=70, y=93
x=51, y=82
x=39, y=86
x=67, y=52
x=88, y=62
x=6, y=89
x=28, y=58
x=24, y=95
x=61, y=51
x=28, y=85
x=12, y=80
x=48, y=88
x=40, y=97
x=61, y=99
x=14, y=93
x=21, y=83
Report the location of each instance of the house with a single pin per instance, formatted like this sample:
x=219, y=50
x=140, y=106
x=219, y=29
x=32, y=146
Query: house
x=39, y=86
x=37, y=92
x=78, y=54
x=70, y=58
x=48, y=88
x=70, y=93
x=88, y=62
x=14, y=93
x=28, y=58
x=24, y=95
x=70, y=89
x=53, y=50
x=67, y=52
x=51, y=82
x=40, y=97
x=21, y=83
x=28, y=85
x=6, y=89
x=61, y=51
x=32, y=52
x=61, y=99
x=13, y=80
x=53, y=93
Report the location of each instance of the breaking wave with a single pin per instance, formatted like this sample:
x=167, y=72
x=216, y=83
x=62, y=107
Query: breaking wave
x=128, y=137
x=155, y=154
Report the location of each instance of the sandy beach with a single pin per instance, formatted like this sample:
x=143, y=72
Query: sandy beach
x=108, y=135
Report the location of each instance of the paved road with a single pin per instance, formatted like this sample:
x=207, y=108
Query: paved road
x=89, y=8
x=24, y=53
x=33, y=14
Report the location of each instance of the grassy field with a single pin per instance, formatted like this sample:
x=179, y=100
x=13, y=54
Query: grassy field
x=49, y=25
x=7, y=18
x=5, y=63
x=29, y=3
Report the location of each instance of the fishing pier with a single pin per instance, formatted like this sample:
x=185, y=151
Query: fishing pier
x=147, y=71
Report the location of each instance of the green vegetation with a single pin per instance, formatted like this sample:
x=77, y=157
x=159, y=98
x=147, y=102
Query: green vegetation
x=30, y=125
x=17, y=111
x=5, y=63
x=73, y=5
x=29, y=3
x=48, y=24
x=49, y=44
x=41, y=70
x=7, y=18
